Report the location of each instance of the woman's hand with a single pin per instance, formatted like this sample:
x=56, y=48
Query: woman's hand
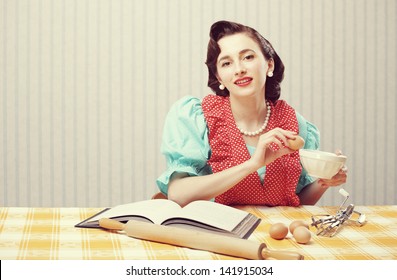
x=272, y=145
x=339, y=178
x=313, y=192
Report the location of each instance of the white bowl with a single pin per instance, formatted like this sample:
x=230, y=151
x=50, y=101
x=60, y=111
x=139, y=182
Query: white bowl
x=321, y=164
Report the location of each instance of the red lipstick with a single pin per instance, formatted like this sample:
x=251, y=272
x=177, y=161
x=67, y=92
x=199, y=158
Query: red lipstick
x=243, y=81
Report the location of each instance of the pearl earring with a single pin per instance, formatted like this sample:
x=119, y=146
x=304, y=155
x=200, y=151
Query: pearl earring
x=270, y=74
x=221, y=87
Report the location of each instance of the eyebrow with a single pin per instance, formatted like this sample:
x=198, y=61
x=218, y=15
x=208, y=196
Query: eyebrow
x=240, y=53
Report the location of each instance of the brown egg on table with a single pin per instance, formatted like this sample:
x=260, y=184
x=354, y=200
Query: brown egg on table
x=278, y=231
x=302, y=234
x=296, y=144
x=296, y=224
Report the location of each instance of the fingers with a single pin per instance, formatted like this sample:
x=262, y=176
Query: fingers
x=271, y=145
x=339, y=179
x=278, y=136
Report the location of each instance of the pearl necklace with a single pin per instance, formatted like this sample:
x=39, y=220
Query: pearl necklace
x=259, y=131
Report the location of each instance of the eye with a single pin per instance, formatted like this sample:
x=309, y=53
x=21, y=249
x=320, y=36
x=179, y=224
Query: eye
x=249, y=57
x=225, y=64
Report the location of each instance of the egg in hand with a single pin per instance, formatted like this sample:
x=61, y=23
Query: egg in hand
x=296, y=143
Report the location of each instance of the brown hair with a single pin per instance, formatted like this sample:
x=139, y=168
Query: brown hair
x=221, y=29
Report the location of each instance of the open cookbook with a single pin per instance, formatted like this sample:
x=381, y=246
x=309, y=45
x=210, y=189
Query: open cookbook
x=198, y=215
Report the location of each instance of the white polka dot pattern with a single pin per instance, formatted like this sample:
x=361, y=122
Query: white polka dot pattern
x=229, y=149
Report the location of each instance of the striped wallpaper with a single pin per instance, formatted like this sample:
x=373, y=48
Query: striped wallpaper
x=85, y=86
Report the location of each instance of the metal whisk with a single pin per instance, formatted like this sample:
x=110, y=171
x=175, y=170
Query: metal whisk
x=329, y=225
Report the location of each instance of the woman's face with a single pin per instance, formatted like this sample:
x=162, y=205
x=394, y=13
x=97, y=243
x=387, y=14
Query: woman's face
x=241, y=66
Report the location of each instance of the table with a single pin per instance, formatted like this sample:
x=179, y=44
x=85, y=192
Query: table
x=49, y=234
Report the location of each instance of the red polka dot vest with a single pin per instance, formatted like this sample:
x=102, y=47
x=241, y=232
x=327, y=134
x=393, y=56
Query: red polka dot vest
x=228, y=149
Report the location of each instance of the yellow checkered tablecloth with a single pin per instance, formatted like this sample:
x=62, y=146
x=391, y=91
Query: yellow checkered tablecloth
x=49, y=233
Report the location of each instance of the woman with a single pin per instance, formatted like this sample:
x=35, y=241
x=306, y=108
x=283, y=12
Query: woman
x=232, y=146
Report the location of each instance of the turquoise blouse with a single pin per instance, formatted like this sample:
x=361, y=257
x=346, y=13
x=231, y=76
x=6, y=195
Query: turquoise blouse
x=185, y=143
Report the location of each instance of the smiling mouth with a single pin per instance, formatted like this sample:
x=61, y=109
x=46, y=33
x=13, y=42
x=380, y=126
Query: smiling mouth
x=243, y=82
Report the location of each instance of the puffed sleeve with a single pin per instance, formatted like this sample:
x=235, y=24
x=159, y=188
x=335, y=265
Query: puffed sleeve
x=311, y=134
x=185, y=142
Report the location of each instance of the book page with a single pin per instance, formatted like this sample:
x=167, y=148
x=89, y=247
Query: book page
x=157, y=210
x=214, y=214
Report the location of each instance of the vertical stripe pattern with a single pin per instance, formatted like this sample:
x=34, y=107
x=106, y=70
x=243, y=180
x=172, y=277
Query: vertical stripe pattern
x=85, y=87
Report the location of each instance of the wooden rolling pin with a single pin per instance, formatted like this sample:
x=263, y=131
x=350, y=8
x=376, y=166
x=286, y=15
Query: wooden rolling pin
x=216, y=243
